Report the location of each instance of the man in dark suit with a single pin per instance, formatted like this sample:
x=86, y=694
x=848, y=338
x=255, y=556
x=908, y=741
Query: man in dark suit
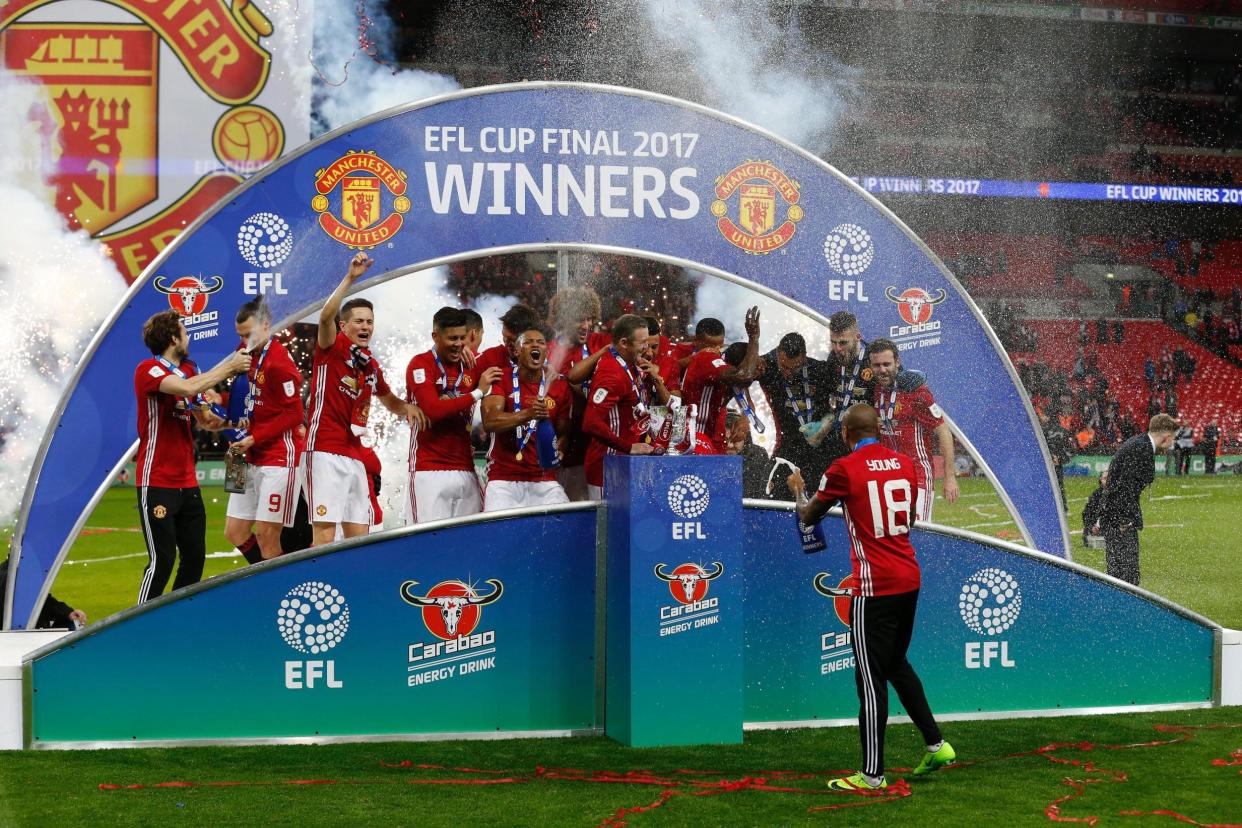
x=1209, y=443
x=1132, y=470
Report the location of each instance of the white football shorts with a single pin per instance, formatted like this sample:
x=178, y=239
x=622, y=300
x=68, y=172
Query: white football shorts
x=436, y=495
x=336, y=489
x=515, y=494
x=271, y=495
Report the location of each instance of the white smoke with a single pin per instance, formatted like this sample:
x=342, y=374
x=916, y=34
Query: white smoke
x=752, y=67
x=767, y=74
x=354, y=83
x=56, y=287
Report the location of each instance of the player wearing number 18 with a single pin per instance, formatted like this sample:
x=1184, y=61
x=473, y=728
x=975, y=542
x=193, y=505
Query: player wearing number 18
x=879, y=490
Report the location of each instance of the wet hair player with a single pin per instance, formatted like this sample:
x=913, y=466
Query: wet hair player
x=275, y=441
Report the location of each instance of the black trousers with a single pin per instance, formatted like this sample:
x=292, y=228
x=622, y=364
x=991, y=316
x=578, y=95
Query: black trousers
x=1121, y=553
x=881, y=628
x=1209, y=460
x=172, y=520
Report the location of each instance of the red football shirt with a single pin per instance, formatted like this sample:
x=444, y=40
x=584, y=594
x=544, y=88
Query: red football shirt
x=496, y=356
x=879, y=490
x=502, y=462
x=563, y=357
x=680, y=351
x=448, y=403
x=277, y=417
x=165, y=438
x=610, y=420
x=340, y=399
x=702, y=387
x=907, y=420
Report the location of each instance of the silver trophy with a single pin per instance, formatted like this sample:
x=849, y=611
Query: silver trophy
x=235, y=471
x=667, y=428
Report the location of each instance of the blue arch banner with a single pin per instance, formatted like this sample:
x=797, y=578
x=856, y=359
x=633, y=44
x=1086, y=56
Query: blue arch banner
x=537, y=166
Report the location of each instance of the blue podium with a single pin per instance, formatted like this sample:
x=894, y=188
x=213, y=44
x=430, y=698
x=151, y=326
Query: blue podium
x=673, y=658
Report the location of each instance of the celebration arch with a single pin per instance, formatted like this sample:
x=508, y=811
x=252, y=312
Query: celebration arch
x=538, y=166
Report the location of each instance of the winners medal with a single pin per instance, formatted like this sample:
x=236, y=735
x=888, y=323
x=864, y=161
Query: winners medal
x=525, y=431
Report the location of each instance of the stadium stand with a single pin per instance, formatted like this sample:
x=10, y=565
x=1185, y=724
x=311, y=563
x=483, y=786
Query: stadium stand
x=991, y=265
x=1211, y=394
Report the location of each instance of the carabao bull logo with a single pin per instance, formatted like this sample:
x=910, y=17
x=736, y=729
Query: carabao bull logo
x=914, y=304
x=187, y=295
x=688, y=582
x=451, y=608
x=840, y=594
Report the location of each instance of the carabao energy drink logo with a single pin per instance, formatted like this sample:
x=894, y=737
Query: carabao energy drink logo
x=101, y=82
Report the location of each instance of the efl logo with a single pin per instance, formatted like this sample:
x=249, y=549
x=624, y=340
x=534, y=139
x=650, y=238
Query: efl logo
x=363, y=178
x=915, y=306
x=688, y=584
x=990, y=603
x=758, y=185
x=312, y=618
x=848, y=249
x=187, y=295
x=836, y=649
x=264, y=241
x=688, y=498
x=452, y=611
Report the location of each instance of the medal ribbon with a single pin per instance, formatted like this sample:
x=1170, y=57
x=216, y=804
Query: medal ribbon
x=848, y=393
x=524, y=431
x=198, y=401
x=887, y=407
x=443, y=381
x=586, y=383
x=638, y=390
x=255, y=390
x=739, y=394
x=803, y=419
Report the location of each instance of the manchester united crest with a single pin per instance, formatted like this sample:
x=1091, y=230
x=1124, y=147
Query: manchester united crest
x=117, y=143
x=764, y=192
x=367, y=210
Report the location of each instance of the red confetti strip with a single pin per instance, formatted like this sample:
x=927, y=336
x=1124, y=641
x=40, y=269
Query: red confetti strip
x=681, y=782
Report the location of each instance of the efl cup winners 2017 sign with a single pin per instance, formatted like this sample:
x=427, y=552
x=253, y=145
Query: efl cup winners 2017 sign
x=154, y=109
x=536, y=167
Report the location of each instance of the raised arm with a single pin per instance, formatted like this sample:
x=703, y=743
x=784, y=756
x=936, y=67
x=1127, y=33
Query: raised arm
x=358, y=265
x=237, y=362
x=582, y=371
x=751, y=366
